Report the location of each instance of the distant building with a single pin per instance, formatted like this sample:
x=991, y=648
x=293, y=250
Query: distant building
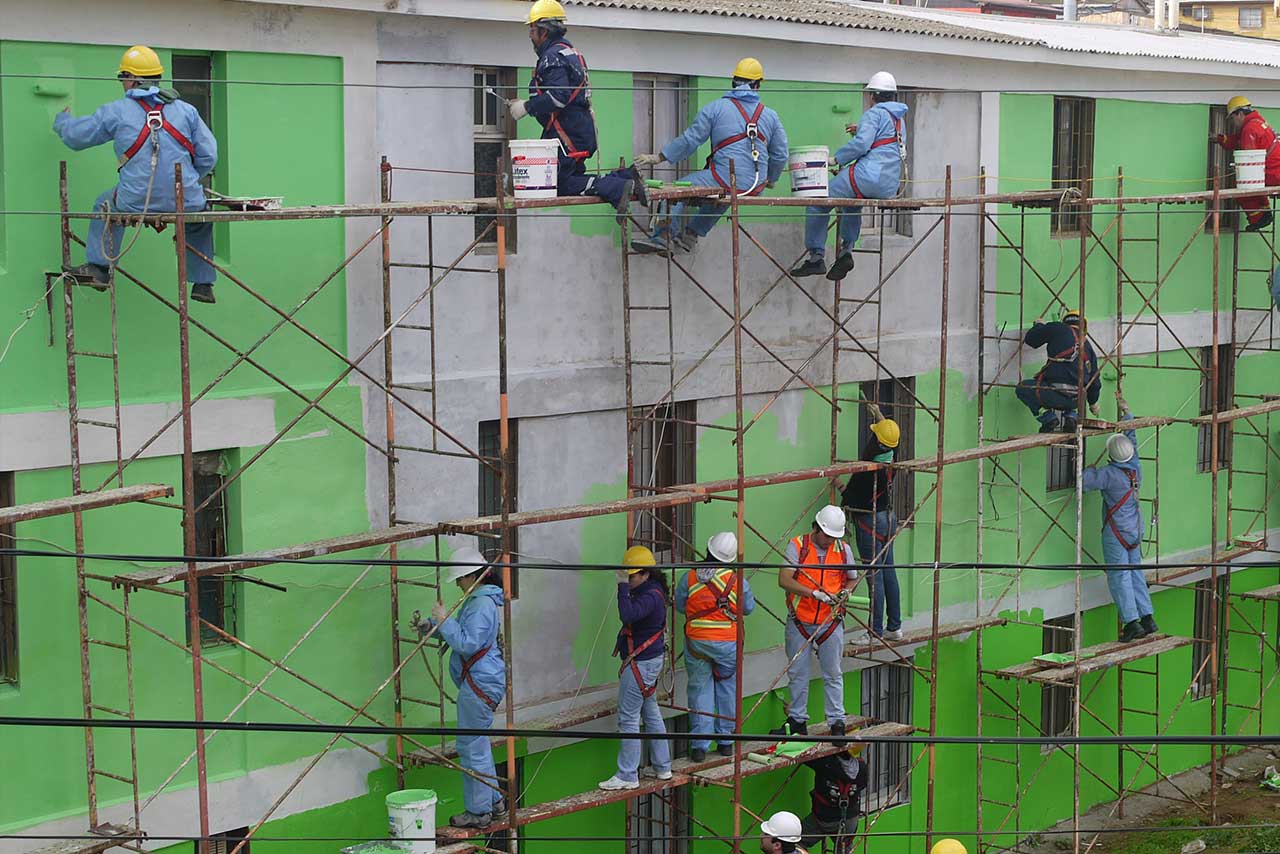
x=1234, y=17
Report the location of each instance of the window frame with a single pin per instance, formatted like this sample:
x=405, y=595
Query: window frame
x=1057, y=636
x=650, y=85
x=648, y=831
x=502, y=79
x=1251, y=10
x=1202, y=684
x=894, y=397
x=223, y=590
x=886, y=689
x=1202, y=12
x=9, y=670
x=673, y=426
x=1060, y=467
x=488, y=491
x=225, y=842
x=1225, y=395
x=1074, y=167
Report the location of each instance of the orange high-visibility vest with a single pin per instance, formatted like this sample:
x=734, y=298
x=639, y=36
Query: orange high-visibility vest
x=808, y=610
x=711, y=612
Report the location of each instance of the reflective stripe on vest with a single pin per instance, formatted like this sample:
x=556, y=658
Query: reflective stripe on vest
x=711, y=612
x=155, y=122
x=554, y=121
x=808, y=610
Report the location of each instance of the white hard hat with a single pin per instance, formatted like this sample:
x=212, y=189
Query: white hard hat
x=831, y=520
x=1119, y=448
x=723, y=546
x=882, y=81
x=783, y=825
x=466, y=560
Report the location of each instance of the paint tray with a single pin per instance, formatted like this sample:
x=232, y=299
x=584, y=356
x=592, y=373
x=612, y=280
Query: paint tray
x=245, y=203
x=1060, y=659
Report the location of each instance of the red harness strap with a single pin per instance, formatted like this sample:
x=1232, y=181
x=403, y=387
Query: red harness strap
x=722, y=605
x=1110, y=521
x=751, y=132
x=466, y=675
x=156, y=122
x=835, y=615
x=633, y=653
x=888, y=140
x=554, y=121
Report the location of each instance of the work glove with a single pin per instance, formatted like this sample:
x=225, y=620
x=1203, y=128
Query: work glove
x=824, y=596
x=833, y=163
x=852, y=129
x=517, y=108
x=439, y=612
x=621, y=575
x=648, y=159
x=1122, y=403
x=1096, y=410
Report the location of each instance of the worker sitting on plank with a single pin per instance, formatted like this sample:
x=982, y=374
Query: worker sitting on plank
x=869, y=167
x=780, y=834
x=1250, y=131
x=743, y=132
x=1122, y=528
x=707, y=595
x=838, y=783
x=1055, y=387
x=152, y=129
x=560, y=99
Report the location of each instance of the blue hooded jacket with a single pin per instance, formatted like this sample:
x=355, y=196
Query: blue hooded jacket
x=721, y=120
x=473, y=627
x=1113, y=482
x=877, y=169
x=644, y=611
x=120, y=122
x=560, y=98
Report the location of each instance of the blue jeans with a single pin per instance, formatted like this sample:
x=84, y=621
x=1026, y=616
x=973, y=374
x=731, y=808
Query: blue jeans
x=830, y=656
x=632, y=706
x=475, y=753
x=849, y=220
x=706, y=692
x=199, y=236
x=885, y=593
x=699, y=216
x=1128, y=586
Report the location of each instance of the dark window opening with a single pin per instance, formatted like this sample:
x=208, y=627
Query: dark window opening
x=218, y=594
x=664, y=446
x=492, y=129
x=887, y=696
x=1055, y=700
x=225, y=843
x=192, y=76
x=8, y=589
x=898, y=221
x=660, y=111
x=663, y=821
x=1072, y=159
x=1060, y=468
x=1202, y=633
x=1220, y=166
x=1224, y=396
x=896, y=399
x=490, y=503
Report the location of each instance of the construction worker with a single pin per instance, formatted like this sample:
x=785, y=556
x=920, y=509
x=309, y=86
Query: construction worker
x=560, y=99
x=838, y=783
x=742, y=131
x=642, y=607
x=780, y=834
x=868, y=498
x=707, y=595
x=819, y=576
x=948, y=846
x=152, y=130
x=1055, y=387
x=1122, y=528
x=869, y=166
x=1251, y=131
x=480, y=674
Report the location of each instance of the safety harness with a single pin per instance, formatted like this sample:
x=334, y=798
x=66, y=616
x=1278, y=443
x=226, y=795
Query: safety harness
x=155, y=123
x=835, y=615
x=466, y=675
x=724, y=603
x=584, y=85
x=633, y=653
x=846, y=795
x=751, y=132
x=1069, y=356
x=883, y=141
x=1110, y=520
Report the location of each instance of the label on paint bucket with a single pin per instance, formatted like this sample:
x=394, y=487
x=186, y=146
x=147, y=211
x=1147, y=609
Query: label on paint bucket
x=535, y=167
x=808, y=167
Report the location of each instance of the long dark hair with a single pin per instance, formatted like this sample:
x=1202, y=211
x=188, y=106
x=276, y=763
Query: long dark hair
x=659, y=578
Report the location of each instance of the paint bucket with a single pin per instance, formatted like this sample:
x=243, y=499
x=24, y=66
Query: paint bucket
x=535, y=167
x=809, y=171
x=411, y=815
x=1251, y=168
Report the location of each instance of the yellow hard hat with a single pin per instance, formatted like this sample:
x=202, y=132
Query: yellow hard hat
x=855, y=750
x=948, y=846
x=141, y=61
x=749, y=69
x=1070, y=314
x=546, y=10
x=638, y=558
x=888, y=432
x=1237, y=102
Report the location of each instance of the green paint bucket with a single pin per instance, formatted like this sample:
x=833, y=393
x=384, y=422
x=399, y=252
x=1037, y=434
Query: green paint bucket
x=411, y=816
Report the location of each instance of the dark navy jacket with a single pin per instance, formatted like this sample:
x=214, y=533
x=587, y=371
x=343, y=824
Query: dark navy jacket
x=560, y=99
x=644, y=610
x=1063, y=365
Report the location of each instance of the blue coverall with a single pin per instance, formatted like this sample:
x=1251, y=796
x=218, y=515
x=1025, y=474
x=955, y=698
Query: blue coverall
x=712, y=667
x=474, y=628
x=120, y=122
x=560, y=99
x=1056, y=387
x=1128, y=586
x=875, y=174
x=721, y=120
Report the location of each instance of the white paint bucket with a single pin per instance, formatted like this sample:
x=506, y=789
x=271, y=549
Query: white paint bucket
x=809, y=171
x=411, y=815
x=1251, y=168
x=535, y=167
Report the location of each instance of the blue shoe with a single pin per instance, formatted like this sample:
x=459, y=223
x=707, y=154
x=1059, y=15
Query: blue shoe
x=651, y=245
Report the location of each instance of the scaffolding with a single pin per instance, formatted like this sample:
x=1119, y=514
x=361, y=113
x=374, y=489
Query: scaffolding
x=1002, y=219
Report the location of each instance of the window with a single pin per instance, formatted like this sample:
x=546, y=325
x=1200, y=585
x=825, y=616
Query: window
x=191, y=77
x=8, y=590
x=1201, y=13
x=662, y=822
x=225, y=843
x=501, y=841
x=896, y=400
x=1226, y=383
x=490, y=503
x=218, y=594
x=1072, y=158
x=492, y=128
x=1203, y=631
x=664, y=446
x=1220, y=166
x=897, y=221
x=1060, y=467
x=886, y=696
x=660, y=111
x=1251, y=18
x=1055, y=700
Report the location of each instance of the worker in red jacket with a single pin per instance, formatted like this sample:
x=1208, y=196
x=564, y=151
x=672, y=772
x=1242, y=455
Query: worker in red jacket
x=1251, y=131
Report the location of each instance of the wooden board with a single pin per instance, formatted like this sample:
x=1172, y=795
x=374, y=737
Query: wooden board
x=104, y=838
x=921, y=635
x=1265, y=594
x=1105, y=655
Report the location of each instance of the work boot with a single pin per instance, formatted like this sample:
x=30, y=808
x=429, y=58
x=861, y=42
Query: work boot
x=203, y=292
x=791, y=726
x=1050, y=422
x=1260, y=223
x=94, y=275
x=1068, y=424
x=813, y=265
x=843, y=264
x=651, y=245
x=1132, y=631
x=500, y=810
x=686, y=241
x=724, y=748
x=623, y=205
x=697, y=754
x=470, y=819
x=639, y=187
x=1149, y=626
x=837, y=727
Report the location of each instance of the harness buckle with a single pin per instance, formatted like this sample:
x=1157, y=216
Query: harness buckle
x=155, y=120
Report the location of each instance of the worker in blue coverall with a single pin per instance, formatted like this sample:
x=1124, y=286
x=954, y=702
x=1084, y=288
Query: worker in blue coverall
x=707, y=595
x=480, y=674
x=742, y=131
x=1055, y=387
x=152, y=130
x=869, y=167
x=560, y=99
x=1122, y=528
